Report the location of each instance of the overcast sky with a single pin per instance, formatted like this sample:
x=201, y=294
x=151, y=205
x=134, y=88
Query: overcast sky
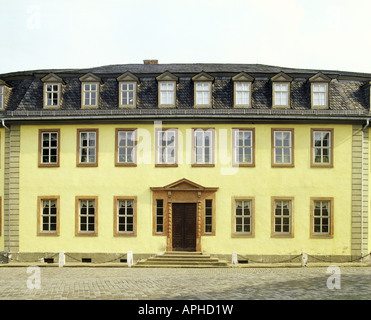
x=311, y=34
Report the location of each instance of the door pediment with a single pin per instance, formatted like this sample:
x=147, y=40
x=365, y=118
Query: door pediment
x=183, y=185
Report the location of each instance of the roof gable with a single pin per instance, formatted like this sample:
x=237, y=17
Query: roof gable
x=243, y=76
x=167, y=76
x=89, y=77
x=51, y=77
x=281, y=77
x=203, y=76
x=320, y=77
x=127, y=76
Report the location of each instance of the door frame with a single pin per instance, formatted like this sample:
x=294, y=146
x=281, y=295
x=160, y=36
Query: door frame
x=183, y=191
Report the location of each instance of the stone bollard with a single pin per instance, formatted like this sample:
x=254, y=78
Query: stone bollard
x=234, y=259
x=129, y=258
x=304, y=259
x=62, y=259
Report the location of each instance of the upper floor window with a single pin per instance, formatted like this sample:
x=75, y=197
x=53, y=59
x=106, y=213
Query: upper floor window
x=203, y=90
x=127, y=90
x=167, y=94
x=52, y=90
x=320, y=90
x=243, y=147
x=282, y=147
x=90, y=86
x=87, y=142
x=128, y=94
x=125, y=147
x=322, y=147
x=49, y=148
x=203, y=147
x=242, y=94
x=281, y=90
x=166, y=151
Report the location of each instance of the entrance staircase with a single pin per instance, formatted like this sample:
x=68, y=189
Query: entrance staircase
x=181, y=259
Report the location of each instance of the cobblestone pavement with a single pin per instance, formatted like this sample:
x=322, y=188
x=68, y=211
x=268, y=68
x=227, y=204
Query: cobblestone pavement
x=87, y=283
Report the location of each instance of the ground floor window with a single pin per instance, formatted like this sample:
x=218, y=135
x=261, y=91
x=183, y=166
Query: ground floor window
x=48, y=215
x=243, y=217
x=282, y=216
x=86, y=216
x=159, y=228
x=125, y=216
x=321, y=217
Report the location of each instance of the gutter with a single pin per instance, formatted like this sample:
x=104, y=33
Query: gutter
x=10, y=147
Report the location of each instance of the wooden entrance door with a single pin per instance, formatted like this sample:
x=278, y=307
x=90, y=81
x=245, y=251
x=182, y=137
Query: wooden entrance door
x=184, y=226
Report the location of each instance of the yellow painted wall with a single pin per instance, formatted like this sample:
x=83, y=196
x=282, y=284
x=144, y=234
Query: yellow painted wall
x=2, y=165
x=261, y=182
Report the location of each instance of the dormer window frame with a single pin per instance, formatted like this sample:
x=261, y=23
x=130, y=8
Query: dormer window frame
x=203, y=84
x=279, y=80
x=238, y=80
x=167, y=87
x=52, y=91
x=319, y=80
x=131, y=81
x=90, y=91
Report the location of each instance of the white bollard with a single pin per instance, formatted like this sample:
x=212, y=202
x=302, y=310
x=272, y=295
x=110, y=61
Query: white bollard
x=234, y=259
x=62, y=259
x=304, y=259
x=129, y=258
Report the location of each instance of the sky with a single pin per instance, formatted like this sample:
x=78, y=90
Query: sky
x=306, y=34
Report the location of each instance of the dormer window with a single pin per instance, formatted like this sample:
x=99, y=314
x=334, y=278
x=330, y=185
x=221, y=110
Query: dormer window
x=127, y=90
x=281, y=90
x=203, y=90
x=90, y=91
x=167, y=90
x=319, y=91
x=52, y=91
x=242, y=90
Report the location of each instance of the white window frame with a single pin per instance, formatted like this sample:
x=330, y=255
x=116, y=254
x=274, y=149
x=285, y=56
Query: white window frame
x=125, y=215
x=279, y=92
x=203, y=96
x=88, y=94
x=243, y=216
x=242, y=94
x=88, y=215
x=283, y=150
x=128, y=146
x=166, y=93
x=166, y=148
x=245, y=148
x=88, y=147
x=53, y=90
x=319, y=95
x=201, y=157
x=127, y=93
x=321, y=148
x=286, y=221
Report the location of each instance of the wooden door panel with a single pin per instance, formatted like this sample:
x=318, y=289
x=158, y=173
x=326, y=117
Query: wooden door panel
x=184, y=226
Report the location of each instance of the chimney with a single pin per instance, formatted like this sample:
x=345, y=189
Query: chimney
x=150, y=61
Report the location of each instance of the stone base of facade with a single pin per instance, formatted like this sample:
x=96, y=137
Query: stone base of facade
x=115, y=258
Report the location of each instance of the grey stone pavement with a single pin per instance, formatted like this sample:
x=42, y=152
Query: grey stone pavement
x=105, y=283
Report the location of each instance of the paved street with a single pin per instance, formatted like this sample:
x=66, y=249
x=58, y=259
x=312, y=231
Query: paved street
x=183, y=284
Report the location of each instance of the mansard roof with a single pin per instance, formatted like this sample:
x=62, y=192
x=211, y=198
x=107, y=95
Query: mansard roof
x=349, y=92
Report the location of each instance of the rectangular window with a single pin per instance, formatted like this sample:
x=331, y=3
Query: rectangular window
x=167, y=93
x=125, y=216
x=166, y=147
x=319, y=92
x=128, y=92
x=322, y=147
x=49, y=148
x=48, y=216
x=281, y=94
x=243, y=147
x=159, y=216
x=90, y=94
x=208, y=216
x=243, y=216
x=125, y=147
x=1, y=97
x=203, y=94
x=242, y=94
x=321, y=217
x=282, y=216
x=283, y=146
x=52, y=95
x=86, y=216
x=87, y=147
x=203, y=140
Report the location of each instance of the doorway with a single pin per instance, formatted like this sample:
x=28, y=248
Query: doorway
x=184, y=226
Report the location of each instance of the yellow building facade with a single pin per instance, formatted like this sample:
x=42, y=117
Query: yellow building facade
x=268, y=181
